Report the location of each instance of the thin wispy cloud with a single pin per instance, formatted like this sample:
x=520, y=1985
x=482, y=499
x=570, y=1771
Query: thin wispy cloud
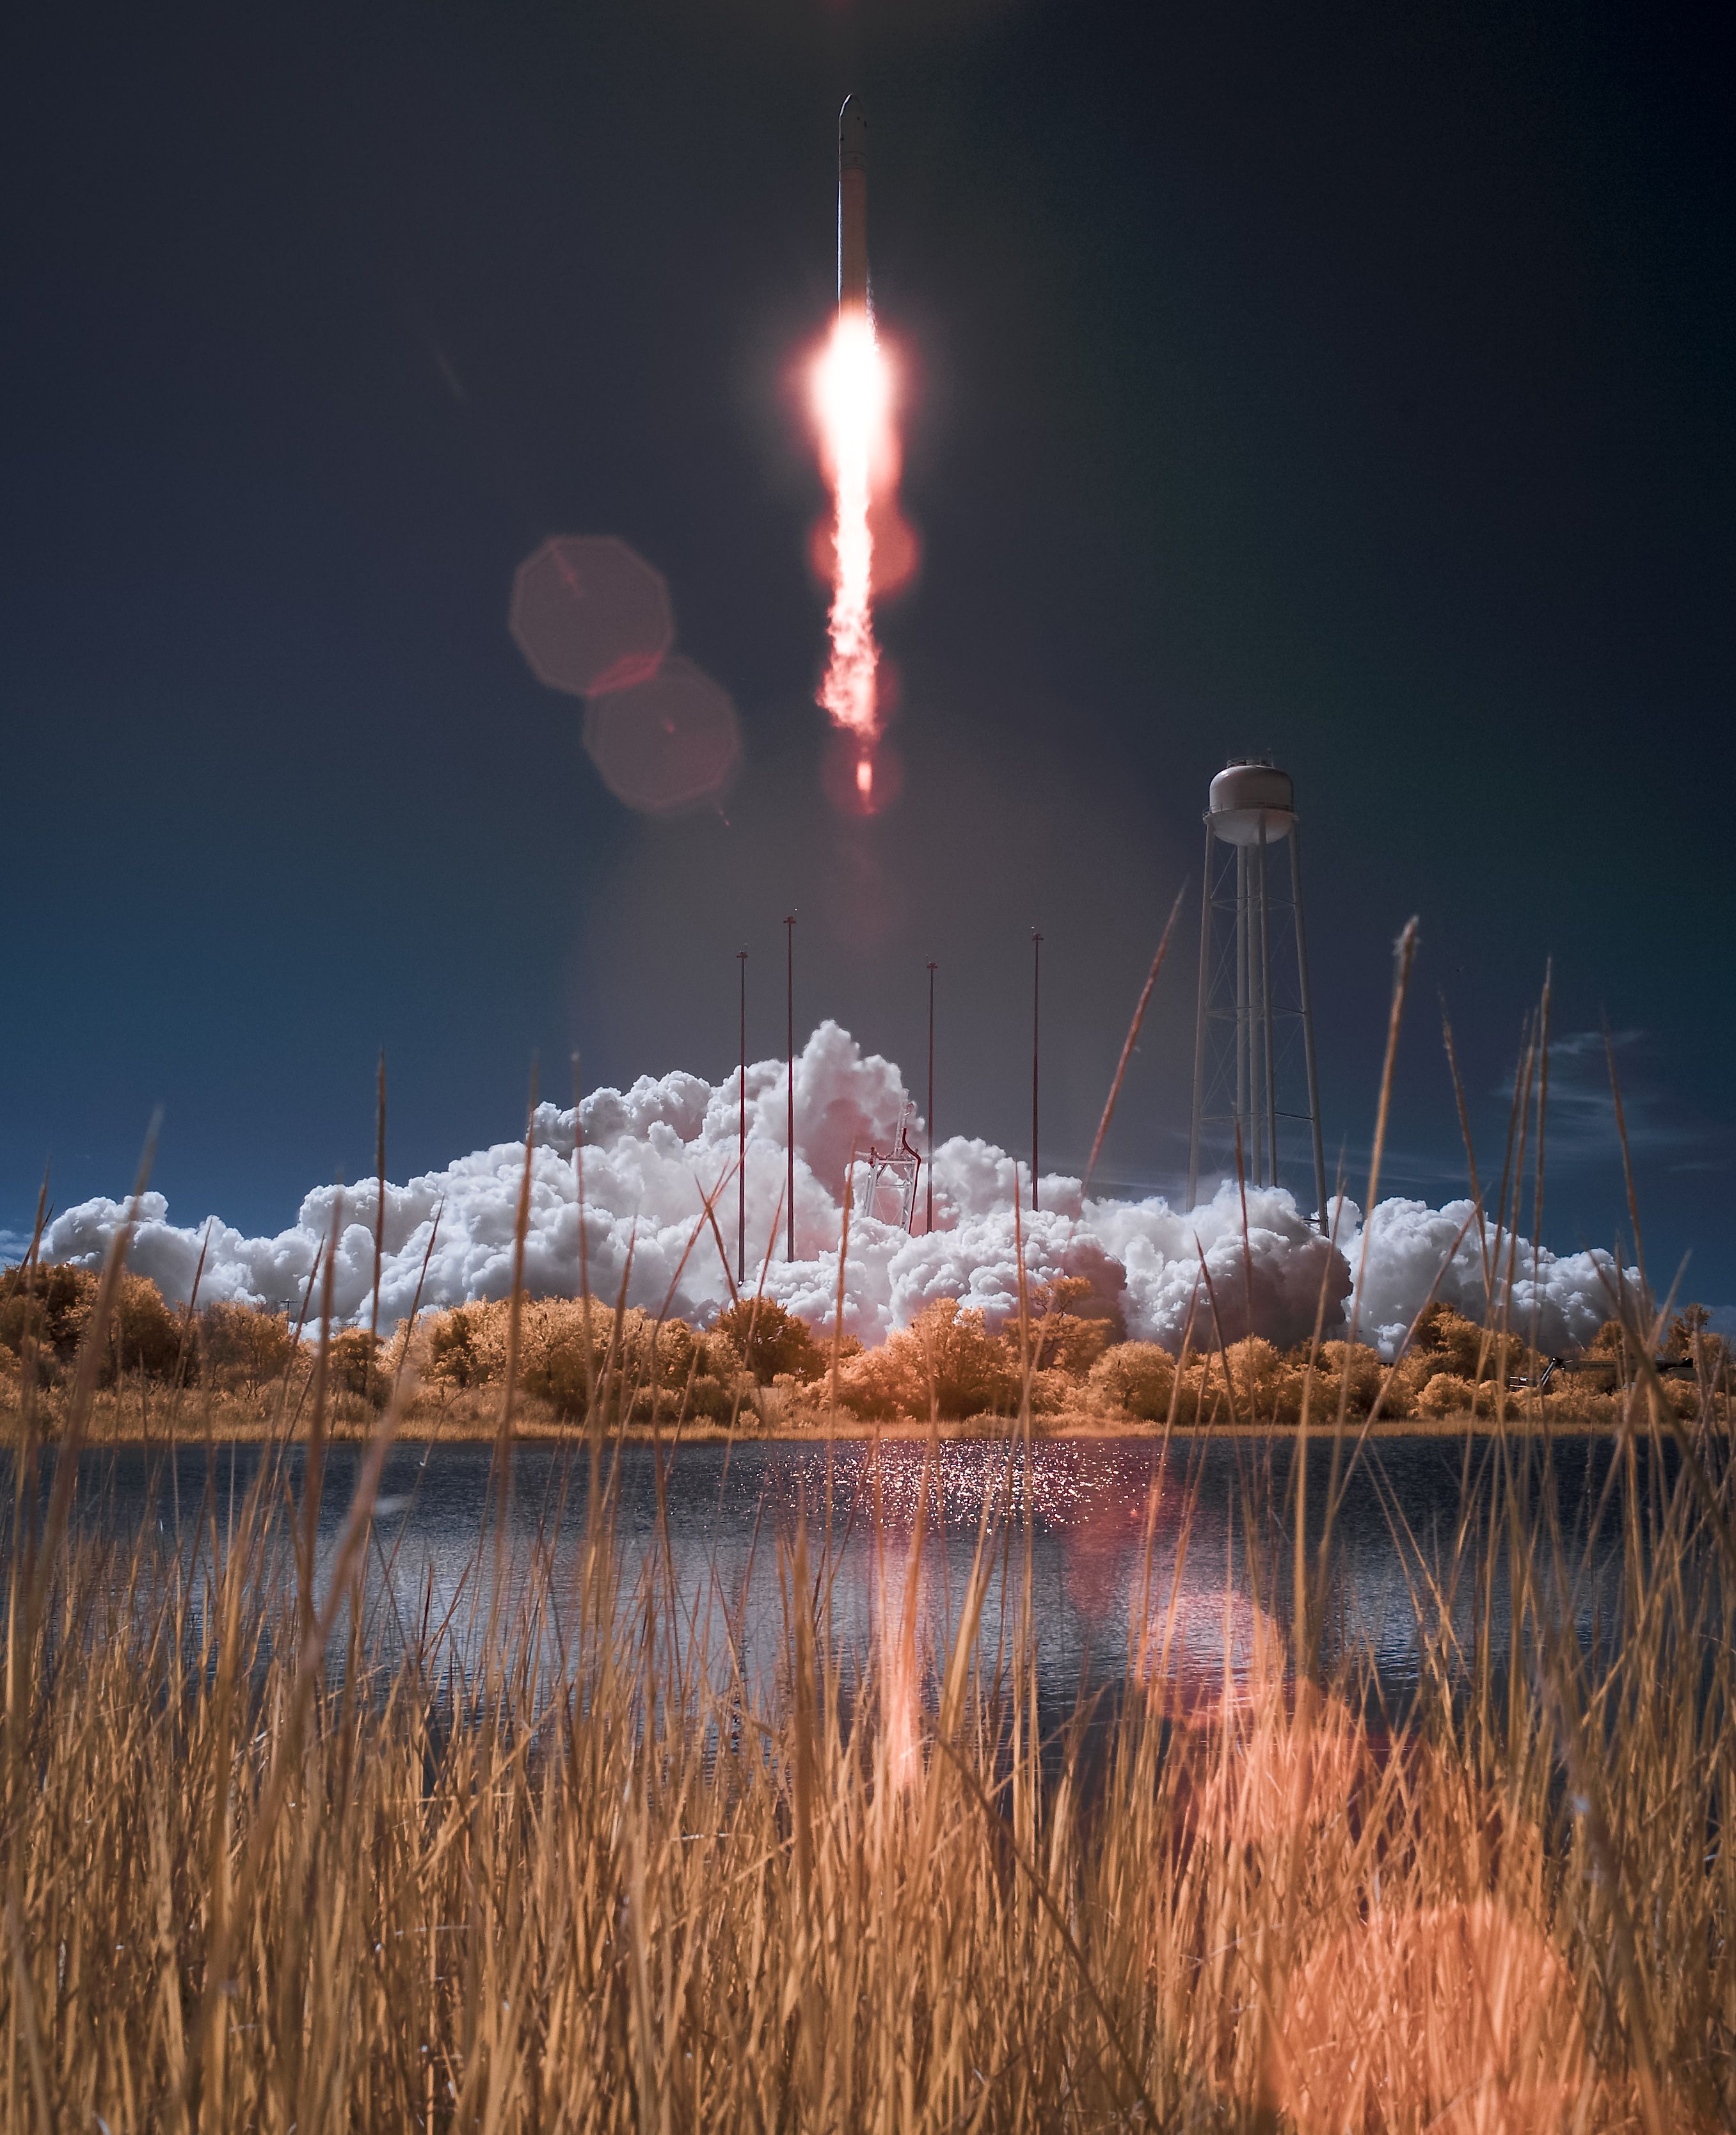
x=1582, y=1127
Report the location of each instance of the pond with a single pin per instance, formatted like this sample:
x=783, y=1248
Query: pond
x=1174, y=1567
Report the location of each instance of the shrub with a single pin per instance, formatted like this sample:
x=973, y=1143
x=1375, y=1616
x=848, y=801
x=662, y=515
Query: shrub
x=1054, y=1392
x=455, y=1354
x=1460, y=1346
x=1360, y=1364
x=144, y=1334
x=239, y=1346
x=557, y=1374
x=1137, y=1377
x=1448, y=1394
x=1405, y=1389
x=670, y=1372
x=1682, y=1397
x=884, y=1382
x=49, y=1305
x=1268, y=1387
x=1582, y=1401
x=770, y=1340
x=1063, y=1339
x=946, y=1357
x=560, y=1358
x=353, y=1361
x=794, y=1404
x=970, y=1373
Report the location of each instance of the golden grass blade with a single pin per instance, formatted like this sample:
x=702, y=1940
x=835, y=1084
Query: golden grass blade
x=1131, y=1040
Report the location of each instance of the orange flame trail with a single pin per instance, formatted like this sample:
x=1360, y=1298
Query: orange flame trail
x=853, y=401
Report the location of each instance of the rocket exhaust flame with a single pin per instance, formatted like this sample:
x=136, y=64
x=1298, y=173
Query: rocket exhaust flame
x=852, y=404
x=852, y=407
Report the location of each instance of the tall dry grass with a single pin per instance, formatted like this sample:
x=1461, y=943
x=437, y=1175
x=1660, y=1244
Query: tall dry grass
x=261, y=1872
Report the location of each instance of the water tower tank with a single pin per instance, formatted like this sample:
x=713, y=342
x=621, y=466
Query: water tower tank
x=1246, y=796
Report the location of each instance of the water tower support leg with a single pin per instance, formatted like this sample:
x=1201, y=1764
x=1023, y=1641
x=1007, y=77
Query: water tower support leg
x=1265, y=1016
x=1243, y=1048
x=1307, y=1027
x=1199, y=1028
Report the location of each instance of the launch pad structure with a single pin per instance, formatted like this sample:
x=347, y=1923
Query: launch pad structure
x=899, y=1167
x=1247, y=1020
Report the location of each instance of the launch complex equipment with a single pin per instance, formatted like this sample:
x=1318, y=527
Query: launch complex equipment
x=1249, y=1019
x=898, y=1168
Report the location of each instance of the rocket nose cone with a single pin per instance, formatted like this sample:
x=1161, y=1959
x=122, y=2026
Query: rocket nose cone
x=852, y=137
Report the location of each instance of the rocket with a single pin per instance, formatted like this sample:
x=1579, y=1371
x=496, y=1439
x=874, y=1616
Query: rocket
x=852, y=269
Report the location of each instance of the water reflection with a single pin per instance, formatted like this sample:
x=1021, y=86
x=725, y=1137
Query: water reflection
x=1171, y=1573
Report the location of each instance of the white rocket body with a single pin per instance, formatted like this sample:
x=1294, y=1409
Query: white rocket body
x=852, y=269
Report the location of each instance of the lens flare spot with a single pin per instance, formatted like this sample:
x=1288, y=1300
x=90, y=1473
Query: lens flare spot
x=667, y=743
x=590, y=615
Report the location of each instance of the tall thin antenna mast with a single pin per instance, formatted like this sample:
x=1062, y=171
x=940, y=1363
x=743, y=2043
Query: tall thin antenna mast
x=790, y=1006
x=928, y=1221
x=1035, y=1029
x=380, y=1223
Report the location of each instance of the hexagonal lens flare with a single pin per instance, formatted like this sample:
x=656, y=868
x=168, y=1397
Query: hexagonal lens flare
x=590, y=615
x=666, y=744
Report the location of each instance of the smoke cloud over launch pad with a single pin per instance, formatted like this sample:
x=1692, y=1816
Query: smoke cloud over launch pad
x=650, y=1152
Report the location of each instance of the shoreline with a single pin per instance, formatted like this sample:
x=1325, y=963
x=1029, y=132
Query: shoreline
x=1084, y=1430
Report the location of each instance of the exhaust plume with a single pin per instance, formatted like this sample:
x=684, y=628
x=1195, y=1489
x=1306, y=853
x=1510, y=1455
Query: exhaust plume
x=853, y=406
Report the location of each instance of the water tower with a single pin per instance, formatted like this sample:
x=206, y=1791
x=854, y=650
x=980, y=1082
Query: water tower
x=1253, y=1012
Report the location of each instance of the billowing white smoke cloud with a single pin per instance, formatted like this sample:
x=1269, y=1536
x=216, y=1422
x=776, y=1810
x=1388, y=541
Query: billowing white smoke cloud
x=647, y=1152
x=1561, y=1299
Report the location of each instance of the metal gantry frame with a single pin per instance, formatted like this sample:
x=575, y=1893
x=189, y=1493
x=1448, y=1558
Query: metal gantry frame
x=901, y=1164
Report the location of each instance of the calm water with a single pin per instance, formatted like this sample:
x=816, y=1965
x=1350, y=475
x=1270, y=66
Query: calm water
x=1123, y=1556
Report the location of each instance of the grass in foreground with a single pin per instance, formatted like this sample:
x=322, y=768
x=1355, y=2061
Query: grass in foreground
x=261, y=1871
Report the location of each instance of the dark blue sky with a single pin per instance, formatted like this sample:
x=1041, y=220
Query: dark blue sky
x=1352, y=382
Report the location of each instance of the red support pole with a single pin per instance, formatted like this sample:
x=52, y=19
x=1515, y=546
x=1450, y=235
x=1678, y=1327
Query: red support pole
x=789, y=1004
x=1035, y=1028
x=928, y=1224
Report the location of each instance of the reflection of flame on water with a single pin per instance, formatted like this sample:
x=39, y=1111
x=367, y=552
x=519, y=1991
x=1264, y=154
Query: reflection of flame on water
x=1064, y=1485
x=1199, y=1643
x=1207, y=1647
x=1099, y=1551
x=897, y=1592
